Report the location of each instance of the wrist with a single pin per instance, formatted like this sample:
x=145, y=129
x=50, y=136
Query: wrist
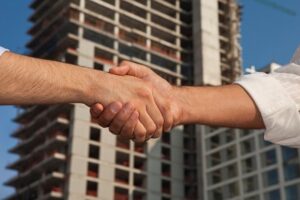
x=95, y=88
x=180, y=98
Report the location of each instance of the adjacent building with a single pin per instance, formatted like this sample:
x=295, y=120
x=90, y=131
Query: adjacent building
x=63, y=154
x=239, y=164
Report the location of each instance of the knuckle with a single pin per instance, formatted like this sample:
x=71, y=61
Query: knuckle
x=151, y=129
x=160, y=122
x=140, y=134
x=144, y=92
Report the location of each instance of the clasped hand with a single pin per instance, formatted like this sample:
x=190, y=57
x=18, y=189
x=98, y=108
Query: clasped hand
x=142, y=104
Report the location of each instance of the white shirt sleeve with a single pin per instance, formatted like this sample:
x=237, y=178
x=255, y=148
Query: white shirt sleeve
x=2, y=50
x=277, y=96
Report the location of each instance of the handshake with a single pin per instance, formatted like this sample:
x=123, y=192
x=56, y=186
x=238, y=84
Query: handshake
x=133, y=101
x=139, y=104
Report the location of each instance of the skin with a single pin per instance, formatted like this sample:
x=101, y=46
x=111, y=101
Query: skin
x=27, y=80
x=229, y=106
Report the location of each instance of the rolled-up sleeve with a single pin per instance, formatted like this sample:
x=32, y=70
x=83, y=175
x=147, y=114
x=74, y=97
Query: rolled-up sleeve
x=2, y=50
x=276, y=96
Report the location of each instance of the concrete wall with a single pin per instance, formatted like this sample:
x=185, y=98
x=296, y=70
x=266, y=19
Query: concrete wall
x=206, y=42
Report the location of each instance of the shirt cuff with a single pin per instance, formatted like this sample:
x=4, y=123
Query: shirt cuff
x=278, y=110
x=2, y=50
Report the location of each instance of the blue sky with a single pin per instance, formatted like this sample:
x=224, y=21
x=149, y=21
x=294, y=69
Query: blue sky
x=269, y=34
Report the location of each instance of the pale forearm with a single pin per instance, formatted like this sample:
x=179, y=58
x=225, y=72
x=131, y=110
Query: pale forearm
x=228, y=106
x=26, y=80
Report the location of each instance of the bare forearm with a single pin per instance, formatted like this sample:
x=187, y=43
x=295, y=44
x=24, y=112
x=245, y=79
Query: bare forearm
x=26, y=80
x=228, y=106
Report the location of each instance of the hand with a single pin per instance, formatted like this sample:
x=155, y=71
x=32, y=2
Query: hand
x=141, y=106
x=163, y=95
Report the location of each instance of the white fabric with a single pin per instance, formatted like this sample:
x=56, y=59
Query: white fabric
x=277, y=96
x=2, y=50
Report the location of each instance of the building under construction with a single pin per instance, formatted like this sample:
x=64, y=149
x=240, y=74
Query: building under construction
x=65, y=155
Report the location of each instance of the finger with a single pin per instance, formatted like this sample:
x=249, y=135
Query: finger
x=121, y=71
x=109, y=113
x=157, y=118
x=128, y=129
x=121, y=119
x=140, y=133
x=96, y=110
x=132, y=69
x=148, y=123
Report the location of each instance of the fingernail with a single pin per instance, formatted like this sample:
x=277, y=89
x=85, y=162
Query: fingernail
x=128, y=107
x=115, y=108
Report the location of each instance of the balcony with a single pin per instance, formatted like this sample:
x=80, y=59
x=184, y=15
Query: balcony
x=42, y=10
x=48, y=162
x=166, y=170
x=43, y=22
x=37, y=154
x=133, y=9
x=104, y=57
x=93, y=170
x=27, y=114
x=166, y=154
x=58, y=129
x=122, y=177
x=54, y=40
x=166, y=187
x=42, y=119
x=122, y=159
x=140, y=163
x=100, y=7
x=132, y=37
x=139, y=180
x=98, y=24
x=138, y=195
x=121, y=194
x=140, y=148
x=166, y=51
x=92, y=189
x=47, y=180
x=123, y=144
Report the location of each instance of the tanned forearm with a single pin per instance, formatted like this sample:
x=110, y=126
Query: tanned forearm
x=26, y=80
x=228, y=106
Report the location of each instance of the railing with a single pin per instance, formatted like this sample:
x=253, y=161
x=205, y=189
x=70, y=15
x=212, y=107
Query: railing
x=92, y=174
x=139, y=149
x=104, y=60
x=123, y=145
x=130, y=37
x=122, y=181
x=92, y=193
x=56, y=189
x=121, y=196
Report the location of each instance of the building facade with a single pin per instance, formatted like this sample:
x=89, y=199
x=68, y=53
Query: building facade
x=65, y=155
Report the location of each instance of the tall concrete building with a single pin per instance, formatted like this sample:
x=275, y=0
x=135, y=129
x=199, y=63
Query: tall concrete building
x=65, y=155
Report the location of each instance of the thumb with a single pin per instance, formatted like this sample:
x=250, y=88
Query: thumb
x=121, y=71
x=131, y=69
x=96, y=110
